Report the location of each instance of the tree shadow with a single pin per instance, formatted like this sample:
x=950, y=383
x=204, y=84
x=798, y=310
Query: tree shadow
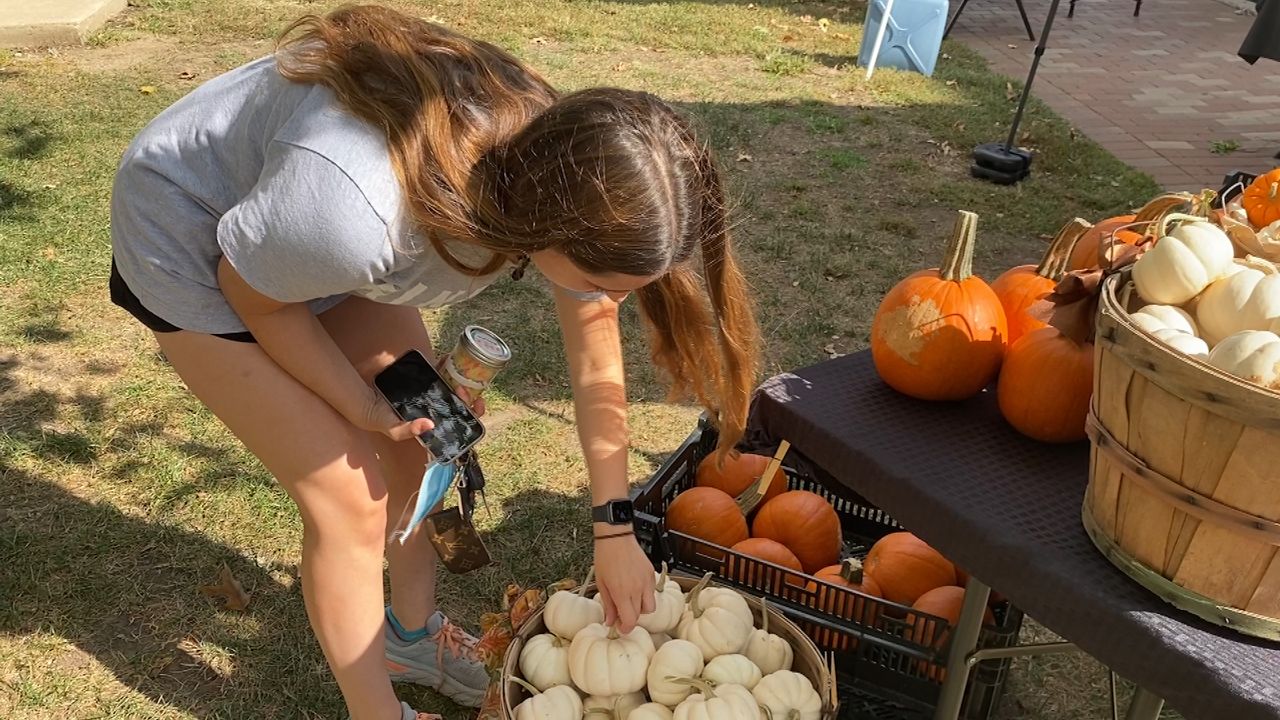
x=27, y=141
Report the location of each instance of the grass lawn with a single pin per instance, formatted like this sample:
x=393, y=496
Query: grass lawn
x=120, y=495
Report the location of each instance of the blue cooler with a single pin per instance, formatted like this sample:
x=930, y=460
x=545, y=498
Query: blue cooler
x=913, y=38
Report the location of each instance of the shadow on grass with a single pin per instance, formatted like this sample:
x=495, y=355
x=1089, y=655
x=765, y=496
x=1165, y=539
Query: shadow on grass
x=27, y=141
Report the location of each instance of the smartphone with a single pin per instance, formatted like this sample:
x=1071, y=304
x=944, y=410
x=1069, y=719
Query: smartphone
x=415, y=390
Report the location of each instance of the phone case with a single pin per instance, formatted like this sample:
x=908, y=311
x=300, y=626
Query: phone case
x=456, y=541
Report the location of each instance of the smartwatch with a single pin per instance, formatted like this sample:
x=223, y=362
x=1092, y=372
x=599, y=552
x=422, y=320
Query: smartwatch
x=614, y=512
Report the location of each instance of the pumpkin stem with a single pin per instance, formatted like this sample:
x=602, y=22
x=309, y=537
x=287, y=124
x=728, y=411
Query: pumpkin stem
x=521, y=682
x=1275, y=190
x=957, y=262
x=768, y=714
x=591, y=575
x=1162, y=227
x=694, y=606
x=1056, y=259
x=793, y=714
x=851, y=571
x=1266, y=267
x=662, y=579
x=613, y=632
x=703, y=685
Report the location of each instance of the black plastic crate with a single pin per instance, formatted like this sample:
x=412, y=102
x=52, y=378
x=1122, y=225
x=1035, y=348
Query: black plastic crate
x=1233, y=184
x=889, y=658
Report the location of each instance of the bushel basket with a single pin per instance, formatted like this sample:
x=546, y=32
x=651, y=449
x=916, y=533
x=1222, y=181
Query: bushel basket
x=1184, y=478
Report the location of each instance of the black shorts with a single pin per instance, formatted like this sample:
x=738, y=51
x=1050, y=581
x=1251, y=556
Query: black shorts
x=121, y=295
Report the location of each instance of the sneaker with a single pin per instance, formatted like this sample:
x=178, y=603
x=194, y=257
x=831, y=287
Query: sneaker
x=444, y=660
x=408, y=713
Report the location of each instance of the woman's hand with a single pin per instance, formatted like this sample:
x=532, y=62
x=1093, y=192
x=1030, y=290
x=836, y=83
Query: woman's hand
x=625, y=579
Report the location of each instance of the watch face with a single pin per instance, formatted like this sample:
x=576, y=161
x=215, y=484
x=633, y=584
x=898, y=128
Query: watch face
x=621, y=511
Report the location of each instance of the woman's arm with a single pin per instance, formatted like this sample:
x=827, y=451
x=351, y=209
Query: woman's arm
x=593, y=345
x=296, y=341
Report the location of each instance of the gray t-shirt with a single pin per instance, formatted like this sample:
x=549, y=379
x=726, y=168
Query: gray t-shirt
x=296, y=192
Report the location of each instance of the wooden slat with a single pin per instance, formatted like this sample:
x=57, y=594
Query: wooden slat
x=1113, y=413
x=1266, y=599
x=1156, y=421
x=1210, y=441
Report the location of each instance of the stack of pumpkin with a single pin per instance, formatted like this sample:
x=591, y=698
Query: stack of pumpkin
x=945, y=334
x=800, y=531
x=695, y=657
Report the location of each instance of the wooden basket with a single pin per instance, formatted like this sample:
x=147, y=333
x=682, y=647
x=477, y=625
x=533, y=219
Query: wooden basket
x=808, y=661
x=1184, y=477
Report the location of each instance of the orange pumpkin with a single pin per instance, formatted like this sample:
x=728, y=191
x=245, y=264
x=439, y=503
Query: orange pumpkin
x=1089, y=250
x=1022, y=287
x=707, y=514
x=1045, y=386
x=848, y=574
x=756, y=575
x=1261, y=200
x=940, y=334
x=944, y=602
x=737, y=473
x=806, y=523
x=906, y=567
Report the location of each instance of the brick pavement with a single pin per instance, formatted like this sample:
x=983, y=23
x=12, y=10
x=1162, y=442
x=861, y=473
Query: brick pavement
x=1156, y=90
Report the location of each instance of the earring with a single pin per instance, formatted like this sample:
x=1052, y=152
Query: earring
x=522, y=263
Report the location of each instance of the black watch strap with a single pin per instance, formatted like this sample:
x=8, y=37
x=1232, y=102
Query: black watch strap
x=614, y=512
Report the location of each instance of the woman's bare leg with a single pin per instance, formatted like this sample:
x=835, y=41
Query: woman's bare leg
x=331, y=471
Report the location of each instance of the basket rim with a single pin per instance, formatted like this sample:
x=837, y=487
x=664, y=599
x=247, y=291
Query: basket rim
x=1219, y=388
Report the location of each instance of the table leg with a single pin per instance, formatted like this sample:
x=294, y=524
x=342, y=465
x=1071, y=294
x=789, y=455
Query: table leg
x=1144, y=706
x=964, y=640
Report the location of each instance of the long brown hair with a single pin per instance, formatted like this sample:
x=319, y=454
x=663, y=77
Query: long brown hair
x=489, y=154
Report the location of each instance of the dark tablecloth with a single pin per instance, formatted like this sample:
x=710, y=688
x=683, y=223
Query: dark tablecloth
x=1007, y=509
x=1263, y=39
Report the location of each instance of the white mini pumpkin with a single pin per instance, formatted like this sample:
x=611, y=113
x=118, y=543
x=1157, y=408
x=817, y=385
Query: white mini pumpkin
x=1185, y=343
x=568, y=611
x=558, y=703
x=1155, y=317
x=668, y=605
x=544, y=661
x=614, y=707
x=718, y=620
x=659, y=639
x=675, y=659
x=732, y=670
x=651, y=711
x=603, y=662
x=1183, y=261
x=1245, y=300
x=769, y=652
x=1252, y=355
x=788, y=696
x=718, y=702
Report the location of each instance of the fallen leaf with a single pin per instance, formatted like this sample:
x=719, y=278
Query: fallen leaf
x=959, y=126
x=946, y=56
x=186, y=75
x=795, y=283
x=147, y=89
x=538, y=41
x=788, y=37
x=806, y=18
x=1009, y=92
x=620, y=67
x=952, y=83
x=823, y=24
x=842, y=36
x=1012, y=46
x=751, y=6
x=50, y=186
x=829, y=349
x=744, y=157
x=49, y=253
x=229, y=590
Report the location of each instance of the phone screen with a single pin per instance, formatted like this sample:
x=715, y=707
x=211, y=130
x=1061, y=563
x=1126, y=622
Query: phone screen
x=415, y=390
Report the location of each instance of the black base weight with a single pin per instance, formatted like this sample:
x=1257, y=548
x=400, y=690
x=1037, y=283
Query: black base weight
x=1000, y=164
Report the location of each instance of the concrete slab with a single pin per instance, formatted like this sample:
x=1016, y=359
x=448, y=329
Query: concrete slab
x=37, y=23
